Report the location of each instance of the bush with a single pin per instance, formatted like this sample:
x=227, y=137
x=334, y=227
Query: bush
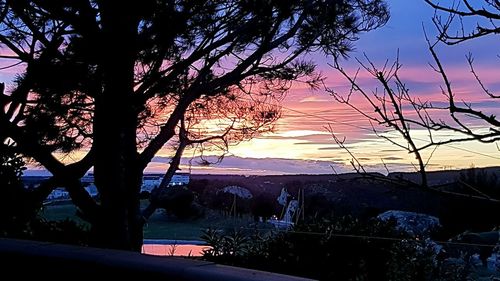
x=339, y=249
x=459, y=214
x=65, y=232
x=413, y=260
x=144, y=195
x=481, y=180
x=177, y=201
x=16, y=210
x=342, y=248
x=263, y=206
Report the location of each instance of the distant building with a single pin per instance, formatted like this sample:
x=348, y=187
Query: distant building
x=180, y=179
x=150, y=182
x=58, y=194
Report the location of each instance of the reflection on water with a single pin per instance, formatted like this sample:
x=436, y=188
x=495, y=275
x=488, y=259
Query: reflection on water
x=174, y=249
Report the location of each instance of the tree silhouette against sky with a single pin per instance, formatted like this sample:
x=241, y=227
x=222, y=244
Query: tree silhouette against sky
x=120, y=81
x=396, y=108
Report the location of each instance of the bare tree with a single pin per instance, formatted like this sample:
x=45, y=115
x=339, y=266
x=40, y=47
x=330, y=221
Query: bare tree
x=395, y=108
x=388, y=107
x=458, y=22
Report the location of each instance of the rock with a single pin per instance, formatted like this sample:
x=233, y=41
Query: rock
x=493, y=262
x=415, y=224
x=238, y=191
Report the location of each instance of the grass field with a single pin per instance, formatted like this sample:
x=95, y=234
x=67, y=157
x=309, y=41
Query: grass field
x=59, y=211
x=159, y=226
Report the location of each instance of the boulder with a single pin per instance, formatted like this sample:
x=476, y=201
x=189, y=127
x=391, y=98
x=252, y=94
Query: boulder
x=415, y=224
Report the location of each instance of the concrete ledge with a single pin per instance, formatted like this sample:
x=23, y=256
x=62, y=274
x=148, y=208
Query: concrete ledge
x=22, y=258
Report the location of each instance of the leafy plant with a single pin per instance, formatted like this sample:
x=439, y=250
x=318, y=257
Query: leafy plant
x=213, y=238
x=223, y=246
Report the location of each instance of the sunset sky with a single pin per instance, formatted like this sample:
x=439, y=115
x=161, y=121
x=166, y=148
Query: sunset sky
x=301, y=143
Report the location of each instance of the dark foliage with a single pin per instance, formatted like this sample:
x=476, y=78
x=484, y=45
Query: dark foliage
x=231, y=204
x=15, y=211
x=293, y=187
x=324, y=250
x=471, y=243
x=198, y=186
x=177, y=201
x=417, y=260
x=477, y=187
x=144, y=195
x=481, y=180
x=65, y=232
x=263, y=206
x=341, y=248
x=478, y=215
x=318, y=206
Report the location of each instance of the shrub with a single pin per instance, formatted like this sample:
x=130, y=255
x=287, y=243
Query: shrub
x=342, y=248
x=178, y=201
x=16, y=209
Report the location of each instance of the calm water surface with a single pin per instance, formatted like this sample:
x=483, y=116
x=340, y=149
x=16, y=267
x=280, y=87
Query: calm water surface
x=174, y=248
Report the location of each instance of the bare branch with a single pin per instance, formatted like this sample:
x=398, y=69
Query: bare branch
x=388, y=108
x=487, y=20
x=470, y=61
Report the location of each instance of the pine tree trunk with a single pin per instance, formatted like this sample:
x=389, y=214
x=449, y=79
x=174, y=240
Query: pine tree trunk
x=116, y=172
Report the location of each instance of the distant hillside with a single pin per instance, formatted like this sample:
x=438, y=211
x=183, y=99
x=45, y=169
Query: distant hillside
x=434, y=177
x=440, y=177
x=353, y=194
